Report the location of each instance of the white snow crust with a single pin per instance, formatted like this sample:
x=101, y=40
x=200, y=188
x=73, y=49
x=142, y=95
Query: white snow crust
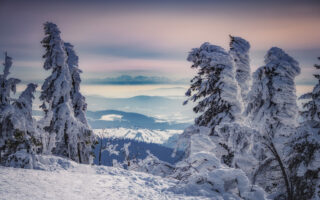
x=59, y=178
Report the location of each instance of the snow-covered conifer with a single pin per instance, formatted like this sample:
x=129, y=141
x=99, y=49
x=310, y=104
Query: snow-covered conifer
x=239, y=51
x=19, y=138
x=214, y=86
x=272, y=110
x=25, y=100
x=216, y=90
x=69, y=136
x=7, y=85
x=304, y=155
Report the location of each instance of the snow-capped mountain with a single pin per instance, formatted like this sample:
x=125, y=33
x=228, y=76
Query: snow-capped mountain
x=144, y=135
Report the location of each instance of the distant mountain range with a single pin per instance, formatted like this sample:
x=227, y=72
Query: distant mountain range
x=134, y=80
x=117, y=119
x=141, y=134
x=169, y=109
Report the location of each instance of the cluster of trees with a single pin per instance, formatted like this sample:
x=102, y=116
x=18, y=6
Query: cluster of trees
x=64, y=130
x=253, y=127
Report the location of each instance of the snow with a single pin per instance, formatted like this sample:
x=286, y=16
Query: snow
x=60, y=178
x=203, y=170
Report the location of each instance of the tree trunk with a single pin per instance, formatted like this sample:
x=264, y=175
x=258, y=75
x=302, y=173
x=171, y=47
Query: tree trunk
x=275, y=153
x=99, y=162
x=79, y=153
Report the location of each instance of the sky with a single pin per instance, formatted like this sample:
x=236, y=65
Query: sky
x=153, y=38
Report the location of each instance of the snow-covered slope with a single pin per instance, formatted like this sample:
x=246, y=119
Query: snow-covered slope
x=144, y=135
x=64, y=179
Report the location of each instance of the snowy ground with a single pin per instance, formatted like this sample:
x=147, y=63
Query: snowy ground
x=63, y=179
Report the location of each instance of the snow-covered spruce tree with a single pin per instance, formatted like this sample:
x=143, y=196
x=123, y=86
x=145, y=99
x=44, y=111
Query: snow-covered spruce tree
x=214, y=87
x=211, y=143
x=19, y=138
x=70, y=135
x=215, y=90
x=7, y=85
x=272, y=110
x=239, y=51
x=304, y=154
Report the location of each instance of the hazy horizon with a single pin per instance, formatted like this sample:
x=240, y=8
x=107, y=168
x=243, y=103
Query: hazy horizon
x=128, y=49
x=151, y=38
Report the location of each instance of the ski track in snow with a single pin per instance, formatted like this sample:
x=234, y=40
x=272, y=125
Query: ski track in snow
x=84, y=182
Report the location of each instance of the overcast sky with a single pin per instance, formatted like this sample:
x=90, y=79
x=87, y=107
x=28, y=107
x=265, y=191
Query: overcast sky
x=153, y=37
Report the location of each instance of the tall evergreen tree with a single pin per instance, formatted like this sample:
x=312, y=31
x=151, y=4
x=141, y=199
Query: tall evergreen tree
x=272, y=109
x=19, y=138
x=304, y=154
x=69, y=136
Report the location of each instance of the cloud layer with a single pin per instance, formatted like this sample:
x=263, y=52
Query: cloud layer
x=156, y=36
x=135, y=80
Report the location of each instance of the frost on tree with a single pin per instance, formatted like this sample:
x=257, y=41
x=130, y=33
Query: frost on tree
x=304, y=154
x=214, y=87
x=239, y=147
x=239, y=51
x=272, y=110
x=78, y=100
x=216, y=92
x=19, y=138
x=70, y=135
x=202, y=173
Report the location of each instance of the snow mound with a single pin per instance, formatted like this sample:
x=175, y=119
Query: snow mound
x=60, y=178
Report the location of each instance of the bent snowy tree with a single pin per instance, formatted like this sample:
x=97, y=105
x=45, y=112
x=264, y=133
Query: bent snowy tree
x=215, y=90
x=63, y=104
x=272, y=110
x=304, y=154
x=214, y=87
